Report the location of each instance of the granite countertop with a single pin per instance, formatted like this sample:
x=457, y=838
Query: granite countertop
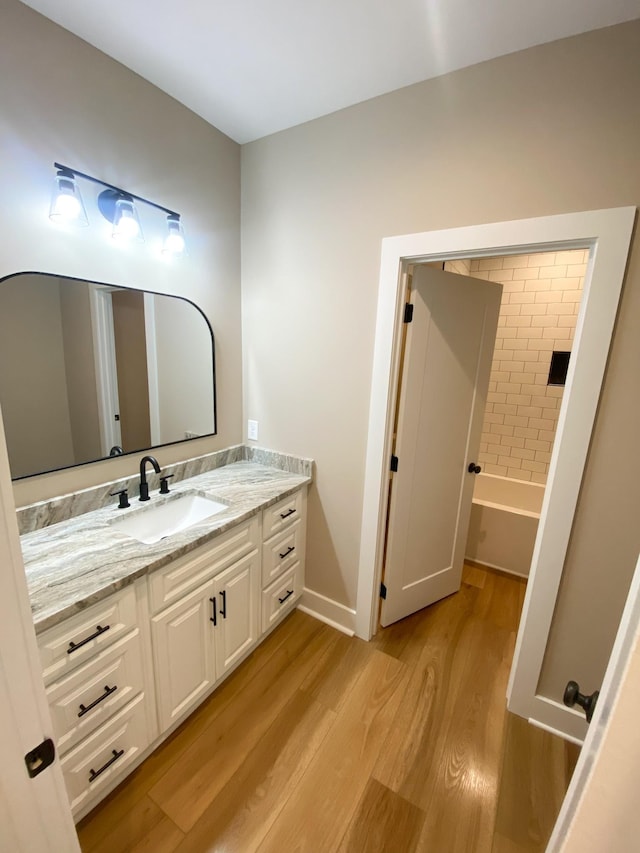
x=75, y=563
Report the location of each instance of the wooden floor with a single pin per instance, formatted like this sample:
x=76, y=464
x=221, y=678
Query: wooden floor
x=322, y=743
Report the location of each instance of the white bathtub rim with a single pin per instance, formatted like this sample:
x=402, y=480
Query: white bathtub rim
x=506, y=508
x=494, y=482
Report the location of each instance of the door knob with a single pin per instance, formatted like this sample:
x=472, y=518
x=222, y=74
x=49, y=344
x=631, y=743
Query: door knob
x=572, y=696
x=474, y=469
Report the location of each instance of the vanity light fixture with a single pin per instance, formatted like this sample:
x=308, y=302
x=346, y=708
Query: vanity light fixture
x=174, y=243
x=66, y=200
x=118, y=206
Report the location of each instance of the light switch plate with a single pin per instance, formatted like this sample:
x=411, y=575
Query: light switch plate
x=252, y=430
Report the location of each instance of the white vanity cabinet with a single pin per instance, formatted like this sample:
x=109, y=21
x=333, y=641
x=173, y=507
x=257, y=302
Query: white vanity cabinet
x=100, y=693
x=207, y=630
x=124, y=672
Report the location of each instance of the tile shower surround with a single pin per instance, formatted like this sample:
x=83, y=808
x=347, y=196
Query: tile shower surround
x=45, y=513
x=540, y=302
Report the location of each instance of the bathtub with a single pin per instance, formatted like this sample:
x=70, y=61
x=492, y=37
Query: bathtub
x=504, y=522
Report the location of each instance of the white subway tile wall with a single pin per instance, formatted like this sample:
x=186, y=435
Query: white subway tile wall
x=540, y=301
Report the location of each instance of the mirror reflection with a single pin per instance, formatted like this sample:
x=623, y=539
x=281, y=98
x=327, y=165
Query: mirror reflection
x=89, y=371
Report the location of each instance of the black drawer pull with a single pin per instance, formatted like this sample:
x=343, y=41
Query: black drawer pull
x=288, y=595
x=73, y=647
x=214, y=618
x=84, y=709
x=287, y=552
x=284, y=515
x=223, y=606
x=93, y=774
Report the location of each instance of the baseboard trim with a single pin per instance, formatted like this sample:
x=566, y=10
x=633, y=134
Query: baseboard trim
x=556, y=732
x=495, y=568
x=327, y=610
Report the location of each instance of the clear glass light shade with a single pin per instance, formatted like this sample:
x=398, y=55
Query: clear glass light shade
x=174, y=243
x=66, y=202
x=126, y=224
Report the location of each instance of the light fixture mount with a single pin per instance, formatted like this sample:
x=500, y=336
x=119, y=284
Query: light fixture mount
x=118, y=207
x=107, y=202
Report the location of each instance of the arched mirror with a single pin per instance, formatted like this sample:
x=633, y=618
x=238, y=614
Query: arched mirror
x=89, y=371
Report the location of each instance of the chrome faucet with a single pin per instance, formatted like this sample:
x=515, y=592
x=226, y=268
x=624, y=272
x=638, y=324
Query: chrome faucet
x=144, y=487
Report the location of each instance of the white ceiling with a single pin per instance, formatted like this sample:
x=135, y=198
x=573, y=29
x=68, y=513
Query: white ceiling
x=253, y=67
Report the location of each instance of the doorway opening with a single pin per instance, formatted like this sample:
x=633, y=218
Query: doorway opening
x=539, y=303
x=541, y=295
x=606, y=234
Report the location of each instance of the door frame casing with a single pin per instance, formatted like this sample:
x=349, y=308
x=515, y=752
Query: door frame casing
x=607, y=234
x=104, y=348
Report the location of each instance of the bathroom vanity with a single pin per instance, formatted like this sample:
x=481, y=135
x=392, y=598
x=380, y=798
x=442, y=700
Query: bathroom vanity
x=133, y=636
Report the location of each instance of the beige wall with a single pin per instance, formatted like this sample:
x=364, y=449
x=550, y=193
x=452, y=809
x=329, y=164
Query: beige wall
x=538, y=312
x=548, y=130
x=62, y=100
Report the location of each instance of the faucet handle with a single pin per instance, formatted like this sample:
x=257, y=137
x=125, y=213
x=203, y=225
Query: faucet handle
x=124, y=500
x=164, y=486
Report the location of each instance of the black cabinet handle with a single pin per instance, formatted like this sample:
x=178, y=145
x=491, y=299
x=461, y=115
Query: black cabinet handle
x=287, y=552
x=284, y=515
x=223, y=606
x=288, y=595
x=73, y=647
x=84, y=709
x=93, y=774
x=214, y=618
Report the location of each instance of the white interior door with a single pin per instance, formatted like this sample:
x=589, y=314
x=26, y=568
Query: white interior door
x=34, y=812
x=444, y=382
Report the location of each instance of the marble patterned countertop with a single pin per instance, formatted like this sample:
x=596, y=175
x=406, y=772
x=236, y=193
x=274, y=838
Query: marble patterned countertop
x=77, y=562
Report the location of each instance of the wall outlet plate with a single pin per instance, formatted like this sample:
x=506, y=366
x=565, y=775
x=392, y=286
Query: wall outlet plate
x=252, y=430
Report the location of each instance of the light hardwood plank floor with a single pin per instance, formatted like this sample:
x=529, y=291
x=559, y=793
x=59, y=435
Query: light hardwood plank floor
x=320, y=743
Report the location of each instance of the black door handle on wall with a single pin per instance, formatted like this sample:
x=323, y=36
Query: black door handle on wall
x=473, y=468
x=572, y=696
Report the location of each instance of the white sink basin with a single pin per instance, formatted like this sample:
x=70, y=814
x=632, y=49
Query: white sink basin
x=157, y=522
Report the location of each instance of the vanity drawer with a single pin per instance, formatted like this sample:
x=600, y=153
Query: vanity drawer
x=106, y=753
x=86, y=698
x=280, y=597
x=82, y=636
x=186, y=573
x=281, y=552
x=282, y=514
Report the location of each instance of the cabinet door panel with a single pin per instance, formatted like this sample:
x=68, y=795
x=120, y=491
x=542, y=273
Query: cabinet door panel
x=237, y=595
x=183, y=651
x=168, y=585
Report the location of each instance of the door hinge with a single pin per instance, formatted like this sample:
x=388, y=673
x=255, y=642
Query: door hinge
x=394, y=463
x=40, y=758
x=408, y=312
x=383, y=591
